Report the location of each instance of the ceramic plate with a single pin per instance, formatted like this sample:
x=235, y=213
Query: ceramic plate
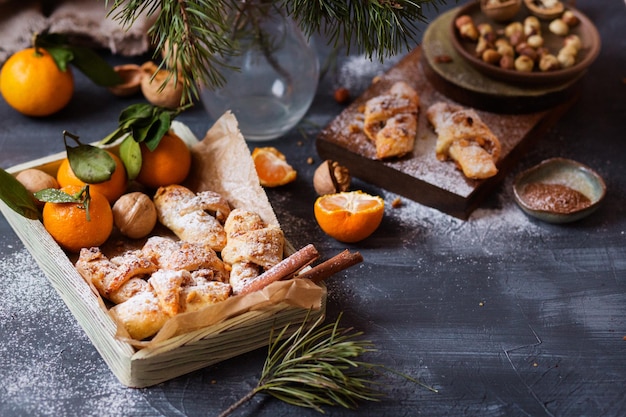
x=585, y=30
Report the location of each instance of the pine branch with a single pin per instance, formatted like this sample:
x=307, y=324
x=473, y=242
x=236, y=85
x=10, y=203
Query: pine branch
x=196, y=35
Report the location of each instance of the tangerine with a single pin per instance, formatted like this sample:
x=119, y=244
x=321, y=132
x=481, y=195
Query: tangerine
x=349, y=216
x=272, y=167
x=32, y=83
x=69, y=225
x=112, y=188
x=169, y=163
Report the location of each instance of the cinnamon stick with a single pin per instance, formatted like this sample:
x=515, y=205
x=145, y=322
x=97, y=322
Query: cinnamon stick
x=343, y=260
x=283, y=269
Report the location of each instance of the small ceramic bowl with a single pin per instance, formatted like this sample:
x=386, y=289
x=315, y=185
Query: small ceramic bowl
x=500, y=11
x=564, y=172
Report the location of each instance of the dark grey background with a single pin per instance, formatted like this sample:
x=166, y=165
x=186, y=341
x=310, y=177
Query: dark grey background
x=502, y=314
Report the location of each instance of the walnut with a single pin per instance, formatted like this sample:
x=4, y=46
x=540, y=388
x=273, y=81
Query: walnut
x=134, y=215
x=151, y=86
x=330, y=178
x=36, y=180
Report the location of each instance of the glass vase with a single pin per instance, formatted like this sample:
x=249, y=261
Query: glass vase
x=273, y=79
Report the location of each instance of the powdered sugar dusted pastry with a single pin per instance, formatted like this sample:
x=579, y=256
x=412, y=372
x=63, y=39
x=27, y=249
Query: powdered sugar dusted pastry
x=110, y=275
x=464, y=138
x=391, y=120
x=198, y=291
x=174, y=255
x=141, y=315
x=193, y=217
x=251, y=246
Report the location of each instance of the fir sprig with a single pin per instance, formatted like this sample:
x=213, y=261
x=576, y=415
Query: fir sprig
x=196, y=34
x=317, y=366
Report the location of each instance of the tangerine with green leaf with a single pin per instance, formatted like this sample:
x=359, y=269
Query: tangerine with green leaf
x=32, y=83
x=112, y=188
x=77, y=225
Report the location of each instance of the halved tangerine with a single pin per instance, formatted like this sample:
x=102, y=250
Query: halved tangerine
x=349, y=216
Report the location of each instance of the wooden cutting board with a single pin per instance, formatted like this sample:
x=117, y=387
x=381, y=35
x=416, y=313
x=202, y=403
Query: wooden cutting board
x=419, y=175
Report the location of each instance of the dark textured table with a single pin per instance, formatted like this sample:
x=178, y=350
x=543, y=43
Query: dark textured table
x=502, y=314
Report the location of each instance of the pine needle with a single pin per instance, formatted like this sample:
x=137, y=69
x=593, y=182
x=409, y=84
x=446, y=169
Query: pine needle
x=318, y=366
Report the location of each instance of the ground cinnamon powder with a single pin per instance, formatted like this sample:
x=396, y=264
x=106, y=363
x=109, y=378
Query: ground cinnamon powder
x=556, y=198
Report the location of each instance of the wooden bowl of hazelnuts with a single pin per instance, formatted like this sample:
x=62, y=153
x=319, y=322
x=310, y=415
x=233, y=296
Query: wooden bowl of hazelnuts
x=526, y=49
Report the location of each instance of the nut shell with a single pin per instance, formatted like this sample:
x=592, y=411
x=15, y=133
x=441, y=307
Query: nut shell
x=131, y=75
x=36, y=180
x=330, y=178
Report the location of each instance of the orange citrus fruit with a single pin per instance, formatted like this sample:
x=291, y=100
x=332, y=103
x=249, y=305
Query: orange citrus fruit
x=112, y=188
x=272, y=167
x=32, y=83
x=349, y=216
x=167, y=164
x=67, y=223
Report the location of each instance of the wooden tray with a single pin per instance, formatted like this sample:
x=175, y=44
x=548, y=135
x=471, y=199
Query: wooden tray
x=167, y=359
x=419, y=175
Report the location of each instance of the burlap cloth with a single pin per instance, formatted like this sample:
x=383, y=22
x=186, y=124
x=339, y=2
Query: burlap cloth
x=85, y=21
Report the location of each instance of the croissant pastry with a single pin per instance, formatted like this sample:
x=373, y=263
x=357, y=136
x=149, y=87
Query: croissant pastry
x=464, y=138
x=195, y=218
x=251, y=247
x=391, y=120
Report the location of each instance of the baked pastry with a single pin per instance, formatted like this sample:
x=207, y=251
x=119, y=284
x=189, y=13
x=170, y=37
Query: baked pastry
x=195, y=218
x=109, y=276
x=141, y=315
x=391, y=120
x=175, y=255
x=465, y=139
x=252, y=246
x=199, y=291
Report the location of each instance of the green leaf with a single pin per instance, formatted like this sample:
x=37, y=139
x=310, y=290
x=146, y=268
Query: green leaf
x=52, y=195
x=84, y=59
x=130, y=154
x=17, y=197
x=90, y=163
x=62, y=56
x=94, y=67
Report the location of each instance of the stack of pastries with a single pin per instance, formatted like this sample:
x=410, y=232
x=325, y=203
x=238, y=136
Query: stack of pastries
x=215, y=253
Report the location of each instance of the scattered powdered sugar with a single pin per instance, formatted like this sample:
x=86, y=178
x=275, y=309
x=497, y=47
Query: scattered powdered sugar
x=357, y=71
x=496, y=229
x=39, y=351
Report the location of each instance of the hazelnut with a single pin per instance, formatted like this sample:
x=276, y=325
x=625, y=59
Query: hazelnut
x=507, y=62
x=134, y=215
x=513, y=28
x=342, y=95
x=168, y=95
x=36, y=180
x=330, y=178
x=524, y=63
x=573, y=41
x=535, y=41
x=558, y=27
x=532, y=26
x=491, y=56
x=566, y=58
x=569, y=18
x=549, y=62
